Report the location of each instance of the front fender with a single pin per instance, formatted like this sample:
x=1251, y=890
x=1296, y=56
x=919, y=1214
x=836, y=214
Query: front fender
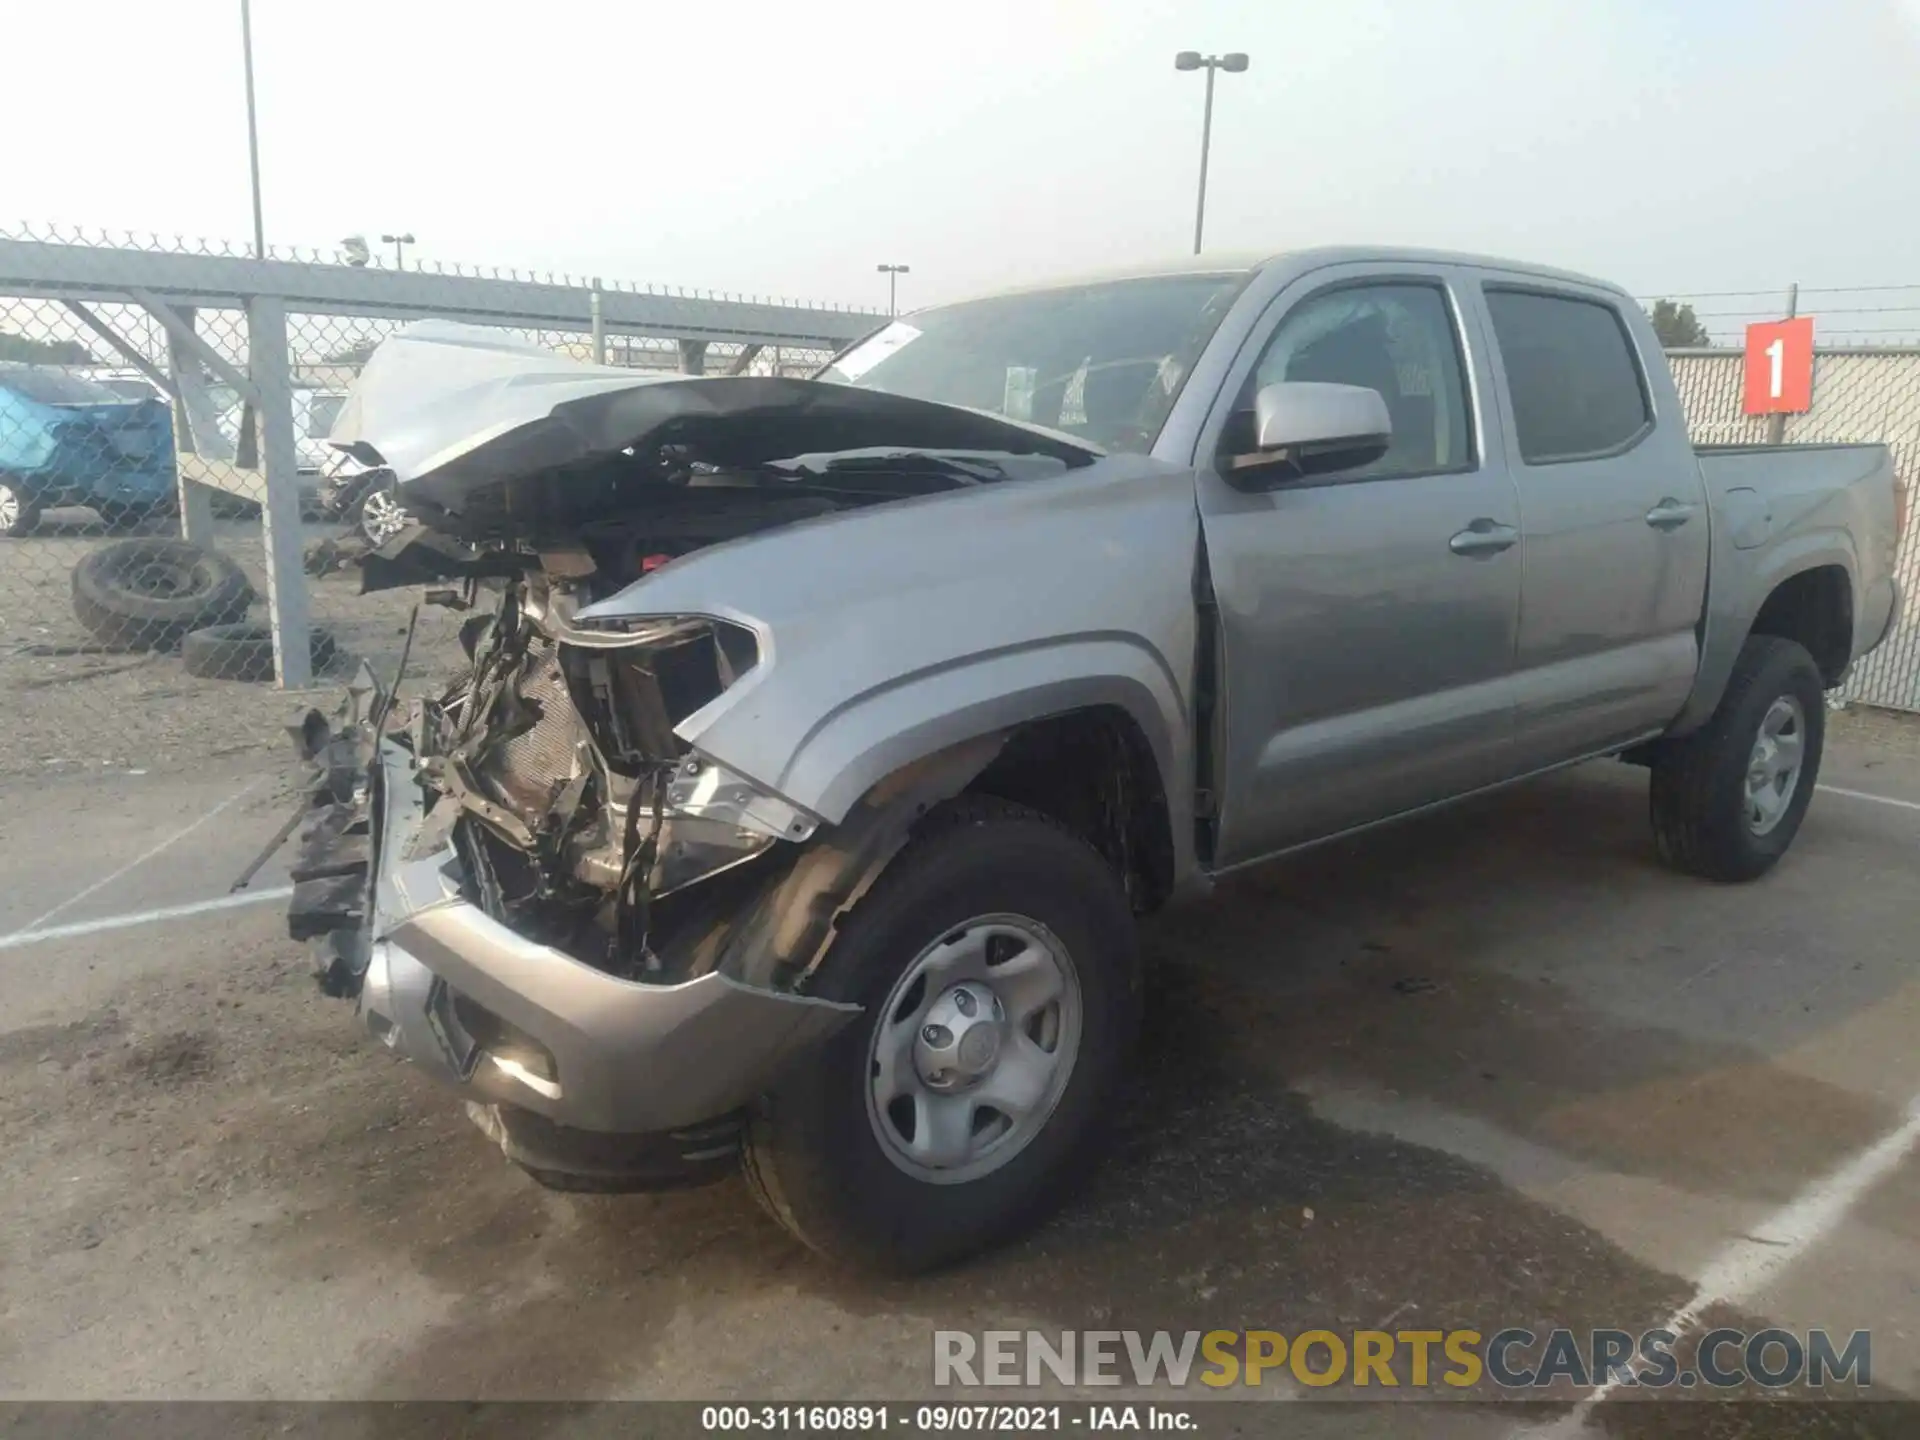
x=896, y=632
x=874, y=734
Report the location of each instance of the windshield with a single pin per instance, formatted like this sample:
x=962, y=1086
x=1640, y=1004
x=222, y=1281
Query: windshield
x=55, y=387
x=1102, y=362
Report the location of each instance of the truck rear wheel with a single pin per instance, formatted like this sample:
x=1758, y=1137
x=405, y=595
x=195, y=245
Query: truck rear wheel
x=1728, y=799
x=997, y=965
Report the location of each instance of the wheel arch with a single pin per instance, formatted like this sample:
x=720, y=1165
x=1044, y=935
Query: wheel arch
x=1813, y=607
x=1091, y=733
x=1796, y=595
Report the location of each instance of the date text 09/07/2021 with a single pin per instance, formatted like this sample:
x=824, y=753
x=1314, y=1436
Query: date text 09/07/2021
x=939, y=1419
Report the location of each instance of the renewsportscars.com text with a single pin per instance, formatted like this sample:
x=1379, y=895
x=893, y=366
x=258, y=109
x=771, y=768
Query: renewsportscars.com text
x=1513, y=1358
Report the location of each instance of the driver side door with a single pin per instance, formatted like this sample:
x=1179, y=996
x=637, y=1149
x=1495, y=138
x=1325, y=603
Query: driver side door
x=1367, y=617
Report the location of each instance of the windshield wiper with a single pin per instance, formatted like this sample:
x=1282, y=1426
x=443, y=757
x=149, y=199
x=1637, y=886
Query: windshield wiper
x=959, y=467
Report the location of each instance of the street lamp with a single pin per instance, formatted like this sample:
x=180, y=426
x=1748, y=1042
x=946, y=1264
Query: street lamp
x=893, y=274
x=253, y=130
x=1233, y=64
x=396, y=241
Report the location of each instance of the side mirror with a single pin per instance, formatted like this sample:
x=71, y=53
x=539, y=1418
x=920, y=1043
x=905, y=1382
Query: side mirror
x=1303, y=428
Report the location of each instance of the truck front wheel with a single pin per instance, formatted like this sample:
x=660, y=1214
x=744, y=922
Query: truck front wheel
x=1728, y=799
x=996, y=964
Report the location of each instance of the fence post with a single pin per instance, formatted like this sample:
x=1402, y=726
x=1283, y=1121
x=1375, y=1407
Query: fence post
x=268, y=367
x=599, y=327
x=1777, y=422
x=196, y=500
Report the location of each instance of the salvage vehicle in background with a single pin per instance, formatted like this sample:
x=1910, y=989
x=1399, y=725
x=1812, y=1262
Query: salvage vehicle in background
x=362, y=497
x=65, y=440
x=313, y=414
x=825, y=737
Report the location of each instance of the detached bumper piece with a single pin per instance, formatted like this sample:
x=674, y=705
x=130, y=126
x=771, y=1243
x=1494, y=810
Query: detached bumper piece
x=333, y=870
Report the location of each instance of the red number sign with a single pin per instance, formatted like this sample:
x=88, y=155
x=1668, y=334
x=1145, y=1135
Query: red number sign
x=1779, y=367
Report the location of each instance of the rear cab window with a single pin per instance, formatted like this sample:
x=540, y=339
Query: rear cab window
x=1576, y=386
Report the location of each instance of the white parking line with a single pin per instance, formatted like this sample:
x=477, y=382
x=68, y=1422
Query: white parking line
x=1863, y=795
x=142, y=917
x=137, y=861
x=1743, y=1268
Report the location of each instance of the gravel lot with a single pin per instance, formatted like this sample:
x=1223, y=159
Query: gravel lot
x=71, y=711
x=1494, y=1067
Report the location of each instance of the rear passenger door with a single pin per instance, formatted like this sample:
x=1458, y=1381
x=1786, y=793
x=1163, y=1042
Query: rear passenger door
x=1614, y=522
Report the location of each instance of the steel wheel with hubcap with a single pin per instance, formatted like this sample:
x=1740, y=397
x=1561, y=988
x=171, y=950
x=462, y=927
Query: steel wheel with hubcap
x=975, y=1045
x=996, y=965
x=1728, y=799
x=1773, y=773
x=18, y=514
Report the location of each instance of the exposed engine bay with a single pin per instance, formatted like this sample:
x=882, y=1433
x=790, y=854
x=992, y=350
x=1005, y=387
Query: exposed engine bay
x=575, y=806
x=536, y=488
x=581, y=815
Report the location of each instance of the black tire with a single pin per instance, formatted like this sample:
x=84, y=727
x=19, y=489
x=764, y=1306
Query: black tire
x=243, y=651
x=19, y=512
x=1699, y=794
x=146, y=594
x=812, y=1157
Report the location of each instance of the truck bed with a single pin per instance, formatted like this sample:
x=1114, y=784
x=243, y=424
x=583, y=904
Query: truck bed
x=1792, y=469
x=1782, y=509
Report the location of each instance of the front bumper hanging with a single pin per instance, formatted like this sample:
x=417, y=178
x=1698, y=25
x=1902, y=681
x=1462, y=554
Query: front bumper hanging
x=522, y=1029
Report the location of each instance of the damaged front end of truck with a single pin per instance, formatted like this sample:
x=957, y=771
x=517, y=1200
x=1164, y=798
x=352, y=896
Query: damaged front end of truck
x=531, y=883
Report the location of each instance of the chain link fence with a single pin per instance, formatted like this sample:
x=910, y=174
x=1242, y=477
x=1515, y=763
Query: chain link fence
x=108, y=619
x=171, y=516
x=1859, y=395
x=166, y=490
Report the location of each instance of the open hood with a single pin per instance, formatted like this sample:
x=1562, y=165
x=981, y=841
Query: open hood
x=457, y=410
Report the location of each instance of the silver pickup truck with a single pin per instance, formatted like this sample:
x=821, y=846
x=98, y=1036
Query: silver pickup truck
x=820, y=740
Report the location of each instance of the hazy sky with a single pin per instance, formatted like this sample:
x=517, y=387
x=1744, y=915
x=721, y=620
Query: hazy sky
x=1676, y=145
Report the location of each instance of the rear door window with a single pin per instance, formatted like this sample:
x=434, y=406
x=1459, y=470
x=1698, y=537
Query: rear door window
x=1576, y=386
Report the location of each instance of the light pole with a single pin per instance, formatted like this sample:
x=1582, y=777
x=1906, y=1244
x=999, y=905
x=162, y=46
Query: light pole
x=1233, y=64
x=396, y=241
x=893, y=274
x=253, y=131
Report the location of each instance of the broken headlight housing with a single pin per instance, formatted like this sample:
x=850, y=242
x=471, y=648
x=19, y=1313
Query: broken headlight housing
x=633, y=681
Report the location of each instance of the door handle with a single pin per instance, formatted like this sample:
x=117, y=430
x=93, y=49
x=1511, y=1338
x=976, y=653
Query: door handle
x=1483, y=538
x=1670, y=514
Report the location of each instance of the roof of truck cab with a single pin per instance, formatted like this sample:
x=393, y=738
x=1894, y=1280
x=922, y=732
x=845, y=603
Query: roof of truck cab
x=1315, y=257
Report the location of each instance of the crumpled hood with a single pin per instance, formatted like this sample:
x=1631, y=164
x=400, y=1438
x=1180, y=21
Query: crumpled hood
x=454, y=409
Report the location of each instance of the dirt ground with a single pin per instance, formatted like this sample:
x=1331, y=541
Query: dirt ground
x=72, y=707
x=1491, y=1068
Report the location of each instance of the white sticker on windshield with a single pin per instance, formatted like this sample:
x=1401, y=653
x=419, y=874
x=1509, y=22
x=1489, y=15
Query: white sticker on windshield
x=862, y=358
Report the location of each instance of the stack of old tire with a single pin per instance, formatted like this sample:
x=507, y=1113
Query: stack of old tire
x=157, y=593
